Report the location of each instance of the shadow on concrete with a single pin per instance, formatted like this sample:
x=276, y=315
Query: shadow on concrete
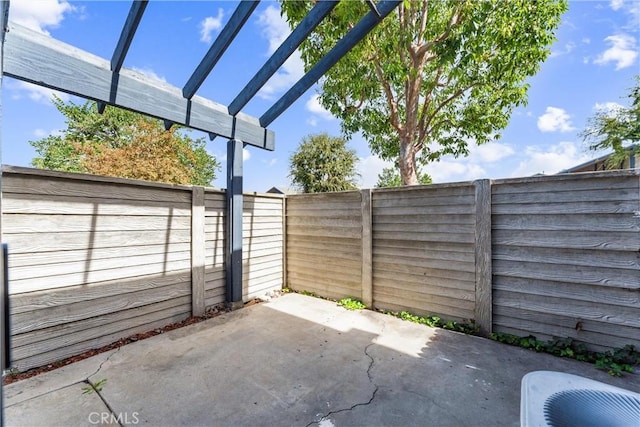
x=300, y=361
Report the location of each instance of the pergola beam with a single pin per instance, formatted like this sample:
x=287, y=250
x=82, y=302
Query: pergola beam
x=39, y=59
x=344, y=45
x=295, y=39
x=126, y=36
x=219, y=46
x=33, y=57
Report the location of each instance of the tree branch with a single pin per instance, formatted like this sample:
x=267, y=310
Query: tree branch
x=425, y=104
x=455, y=20
x=393, y=105
x=453, y=96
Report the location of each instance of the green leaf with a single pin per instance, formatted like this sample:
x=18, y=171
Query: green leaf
x=417, y=92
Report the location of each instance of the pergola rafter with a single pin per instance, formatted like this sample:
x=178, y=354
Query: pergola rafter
x=36, y=58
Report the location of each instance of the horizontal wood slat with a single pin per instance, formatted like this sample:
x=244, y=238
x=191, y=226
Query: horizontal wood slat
x=95, y=259
x=565, y=257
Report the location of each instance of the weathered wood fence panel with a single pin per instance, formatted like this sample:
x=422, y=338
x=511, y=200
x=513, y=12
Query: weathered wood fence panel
x=263, y=245
x=566, y=257
x=552, y=256
x=324, y=244
x=96, y=259
x=214, y=274
x=399, y=249
x=423, y=250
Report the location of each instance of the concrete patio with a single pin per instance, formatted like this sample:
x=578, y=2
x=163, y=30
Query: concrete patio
x=296, y=361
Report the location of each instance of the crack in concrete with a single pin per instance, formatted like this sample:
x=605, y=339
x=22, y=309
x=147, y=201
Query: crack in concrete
x=97, y=390
x=84, y=381
x=373, y=395
x=101, y=364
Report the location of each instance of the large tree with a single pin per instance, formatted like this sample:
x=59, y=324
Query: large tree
x=617, y=130
x=433, y=75
x=125, y=144
x=323, y=163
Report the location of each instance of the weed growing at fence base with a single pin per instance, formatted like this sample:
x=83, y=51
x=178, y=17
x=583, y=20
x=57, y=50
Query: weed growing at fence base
x=352, y=304
x=616, y=362
x=435, y=322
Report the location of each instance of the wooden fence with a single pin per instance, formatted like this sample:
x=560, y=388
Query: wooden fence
x=566, y=257
x=96, y=259
x=553, y=256
x=408, y=249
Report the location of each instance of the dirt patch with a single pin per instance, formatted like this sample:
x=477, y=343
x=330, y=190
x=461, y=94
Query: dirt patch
x=212, y=312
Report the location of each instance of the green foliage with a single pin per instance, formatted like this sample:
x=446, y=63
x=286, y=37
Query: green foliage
x=12, y=372
x=433, y=75
x=433, y=321
x=310, y=294
x=352, y=304
x=97, y=387
x=615, y=362
x=322, y=164
x=436, y=322
x=125, y=144
x=390, y=177
x=616, y=130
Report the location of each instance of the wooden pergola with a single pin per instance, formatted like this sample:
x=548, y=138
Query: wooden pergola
x=39, y=59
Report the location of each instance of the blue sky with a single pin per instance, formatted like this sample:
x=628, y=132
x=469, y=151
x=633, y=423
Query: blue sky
x=591, y=68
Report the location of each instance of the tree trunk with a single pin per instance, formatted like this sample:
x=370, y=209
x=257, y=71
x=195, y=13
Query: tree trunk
x=407, y=162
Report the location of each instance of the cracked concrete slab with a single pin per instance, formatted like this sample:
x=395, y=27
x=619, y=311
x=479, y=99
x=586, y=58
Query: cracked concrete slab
x=304, y=361
x=68, y=406
x=53, y=380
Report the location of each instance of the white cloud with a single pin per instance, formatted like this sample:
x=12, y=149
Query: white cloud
x=616, y=4
x=149, y=73
x=275, y=30
x=555, y=120
x=566, y=49
x=35, y=93
x=210, y=24
x=270, y=162
x=39, y=15
x=476, y=165
x=40, y=133
x=312, y=121
x=313, y=106
x=586, y=40
x=550, y=161
x=369, y=168
x=490, y=152
x=455, y=170
x=623, y=51
x=610, y=109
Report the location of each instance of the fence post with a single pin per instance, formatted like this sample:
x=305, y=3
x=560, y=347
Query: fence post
x=483, y=307
x=284, y=242
x=367, y=248
x=197, y=251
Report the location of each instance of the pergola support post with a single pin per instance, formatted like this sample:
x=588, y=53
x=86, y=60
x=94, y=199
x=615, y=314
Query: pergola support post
x=4, y=295
x=233, y=265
